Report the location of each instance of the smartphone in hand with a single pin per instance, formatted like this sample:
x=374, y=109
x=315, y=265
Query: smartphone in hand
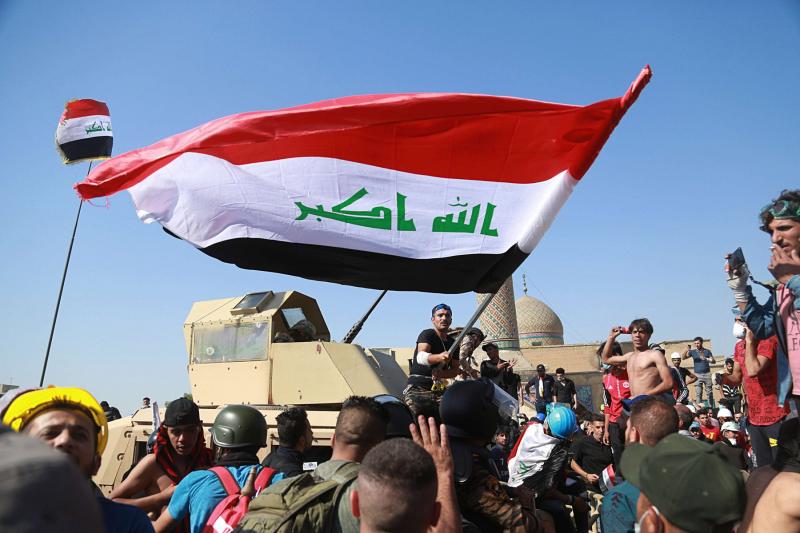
x=735, y=261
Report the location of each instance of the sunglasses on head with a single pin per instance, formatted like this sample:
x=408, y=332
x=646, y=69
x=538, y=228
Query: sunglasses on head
x=439, y=307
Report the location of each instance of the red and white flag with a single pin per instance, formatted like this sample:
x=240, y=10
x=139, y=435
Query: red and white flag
x=430, y=192
x=84, y=131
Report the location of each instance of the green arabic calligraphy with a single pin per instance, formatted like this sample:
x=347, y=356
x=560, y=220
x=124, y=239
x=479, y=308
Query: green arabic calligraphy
x=381, y=217
x=98, y=126
x=377, y=217
x=446, y=224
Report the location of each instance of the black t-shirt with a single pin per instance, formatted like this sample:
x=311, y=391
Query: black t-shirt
x=593, y=456
x=421, y=374
x=565, y=391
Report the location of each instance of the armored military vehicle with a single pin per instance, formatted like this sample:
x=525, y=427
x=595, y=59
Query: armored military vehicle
x=268, y=350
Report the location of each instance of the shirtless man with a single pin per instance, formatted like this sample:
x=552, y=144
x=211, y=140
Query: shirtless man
x=648, y=371
x=180, y=448
x=772, y=503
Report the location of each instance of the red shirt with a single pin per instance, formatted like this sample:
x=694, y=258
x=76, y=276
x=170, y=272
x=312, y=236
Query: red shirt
x=762, y=390
x=711, y=433
x=617, y=388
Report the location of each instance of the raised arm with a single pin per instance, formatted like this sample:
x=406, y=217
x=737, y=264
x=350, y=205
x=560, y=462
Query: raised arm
x=608, y=348
x=434, y=440
x=754, y=362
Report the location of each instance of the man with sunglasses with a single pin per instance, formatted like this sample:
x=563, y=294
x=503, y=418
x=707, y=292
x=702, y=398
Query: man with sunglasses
x=430, y=364
x=780, y=315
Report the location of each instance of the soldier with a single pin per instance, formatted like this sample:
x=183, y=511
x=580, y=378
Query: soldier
x=471, y=417
x=180, y=448
x=431, y=363
x=472, y=339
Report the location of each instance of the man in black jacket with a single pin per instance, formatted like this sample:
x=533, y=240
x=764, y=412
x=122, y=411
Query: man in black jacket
x=294, y=439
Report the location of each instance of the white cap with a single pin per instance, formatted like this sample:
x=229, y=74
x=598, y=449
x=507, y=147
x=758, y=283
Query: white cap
x=675, y=355
x=730, y=426
x=724, y=411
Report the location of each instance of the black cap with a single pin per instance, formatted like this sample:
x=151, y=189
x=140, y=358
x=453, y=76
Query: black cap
x=181, y=412
x=489, y=345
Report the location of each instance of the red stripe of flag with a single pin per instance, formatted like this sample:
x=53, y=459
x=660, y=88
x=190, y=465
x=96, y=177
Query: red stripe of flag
x=476, y=137
x=84, y=108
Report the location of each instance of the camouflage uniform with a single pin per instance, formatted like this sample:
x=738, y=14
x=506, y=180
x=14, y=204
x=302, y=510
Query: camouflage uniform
x=468, y=345
x=484, y=501
x=422, y=401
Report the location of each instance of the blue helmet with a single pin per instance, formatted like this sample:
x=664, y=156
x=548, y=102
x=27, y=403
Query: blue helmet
x=562, y=421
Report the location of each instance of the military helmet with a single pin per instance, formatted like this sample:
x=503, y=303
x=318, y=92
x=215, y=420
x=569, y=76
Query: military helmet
x=237, y=426
x=469, y=411
x=400, y=417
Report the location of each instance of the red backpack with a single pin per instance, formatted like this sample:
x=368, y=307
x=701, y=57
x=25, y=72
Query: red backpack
x=230, y=511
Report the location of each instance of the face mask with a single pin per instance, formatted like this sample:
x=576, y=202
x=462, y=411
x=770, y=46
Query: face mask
x=738, y=330
x=732, y=441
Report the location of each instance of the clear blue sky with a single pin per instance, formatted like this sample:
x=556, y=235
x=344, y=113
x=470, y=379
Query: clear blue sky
x=712, y=139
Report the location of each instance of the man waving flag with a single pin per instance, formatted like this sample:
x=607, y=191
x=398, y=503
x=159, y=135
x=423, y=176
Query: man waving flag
x=431, y=192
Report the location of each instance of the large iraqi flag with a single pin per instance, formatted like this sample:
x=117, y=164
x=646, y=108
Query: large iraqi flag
x=434, y=192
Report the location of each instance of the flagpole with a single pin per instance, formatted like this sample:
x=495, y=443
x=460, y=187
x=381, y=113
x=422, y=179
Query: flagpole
x=61, y=288
x=474, y=318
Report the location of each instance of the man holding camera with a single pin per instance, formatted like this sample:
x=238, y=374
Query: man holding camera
x=780, y=315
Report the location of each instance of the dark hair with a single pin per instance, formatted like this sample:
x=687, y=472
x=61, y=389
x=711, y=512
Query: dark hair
x=597, y=418
x=404, y=472
x=104, y=404
x=786, y=196
x=616, y=348
x=685, y=418
x=361, y=422
x=559, y=370
x=704, y=411
x=643, y=324
x=698, y=339
x=292, y=424
x=146, y=398
x=654, y=419
x=729, y=360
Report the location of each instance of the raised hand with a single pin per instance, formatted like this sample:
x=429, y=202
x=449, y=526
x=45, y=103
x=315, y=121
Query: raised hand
x=435, y=442
x=783, y=265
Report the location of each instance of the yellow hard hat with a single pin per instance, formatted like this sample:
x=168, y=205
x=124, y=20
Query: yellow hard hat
x=27, y=405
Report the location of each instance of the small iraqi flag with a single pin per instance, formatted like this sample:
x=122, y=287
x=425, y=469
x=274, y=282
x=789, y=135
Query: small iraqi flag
x=435, y=192
x=84, y=131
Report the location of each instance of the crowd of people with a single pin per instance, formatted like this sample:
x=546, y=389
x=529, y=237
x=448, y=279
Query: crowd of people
x=454, y=453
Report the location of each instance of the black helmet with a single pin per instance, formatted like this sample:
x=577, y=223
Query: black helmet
x=468, y=409
x=237, y=426
x=400, y=416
